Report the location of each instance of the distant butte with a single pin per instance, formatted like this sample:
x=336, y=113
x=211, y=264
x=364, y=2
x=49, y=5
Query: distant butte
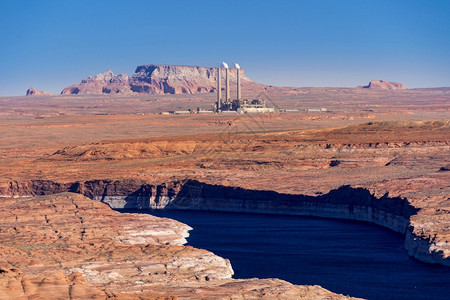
x=35, y=92
x=384, y=85
x=155, y=79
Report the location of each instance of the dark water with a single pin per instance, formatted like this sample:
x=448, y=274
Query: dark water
x=347, y=257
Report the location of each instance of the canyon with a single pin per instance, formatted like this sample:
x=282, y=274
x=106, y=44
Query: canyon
x=346, y=202
x=293, y=148
x=379, y=156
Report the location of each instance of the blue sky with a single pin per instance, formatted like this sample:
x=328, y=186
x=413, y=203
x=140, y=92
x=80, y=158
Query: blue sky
x=53, y=44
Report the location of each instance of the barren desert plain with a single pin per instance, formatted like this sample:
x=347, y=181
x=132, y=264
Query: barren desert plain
x=374, y=155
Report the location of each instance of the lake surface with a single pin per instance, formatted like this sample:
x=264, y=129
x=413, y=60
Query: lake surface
x=348, y=257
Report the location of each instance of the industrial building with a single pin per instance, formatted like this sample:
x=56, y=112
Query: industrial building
x=238, y=105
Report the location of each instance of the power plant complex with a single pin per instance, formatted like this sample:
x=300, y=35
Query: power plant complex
x=225, y=103
x=238, y=105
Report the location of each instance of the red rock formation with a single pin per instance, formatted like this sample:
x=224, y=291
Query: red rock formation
x=384, y=85
x=105, y=83
x=156, y=79
x=35, y=92
x=163, y=79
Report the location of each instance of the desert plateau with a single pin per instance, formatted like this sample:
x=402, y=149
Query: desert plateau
x=382, y=157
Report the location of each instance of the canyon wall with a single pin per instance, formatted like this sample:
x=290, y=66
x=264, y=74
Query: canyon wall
x=346, y=202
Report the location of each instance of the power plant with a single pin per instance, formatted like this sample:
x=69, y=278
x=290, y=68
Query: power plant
x=224, y=103
x=238, y=105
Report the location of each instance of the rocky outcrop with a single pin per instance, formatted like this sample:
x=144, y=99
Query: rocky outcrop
x=429, y=241
x=35, y=92
x=104, y=83
x=168, y=79
x=384, y=85
x=116, y=193
x=67, y=246
x=157, y=79
x=424, y=242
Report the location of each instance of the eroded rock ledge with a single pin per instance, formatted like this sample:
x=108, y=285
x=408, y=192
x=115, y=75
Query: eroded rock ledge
x=424, y=241
x=66, y=246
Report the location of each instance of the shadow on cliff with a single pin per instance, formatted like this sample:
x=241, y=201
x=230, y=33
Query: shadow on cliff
x=191, y=194
x=194, y=194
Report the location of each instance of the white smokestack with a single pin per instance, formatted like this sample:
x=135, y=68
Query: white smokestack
x=238, y=90
x=219, y=90
x=227, y=83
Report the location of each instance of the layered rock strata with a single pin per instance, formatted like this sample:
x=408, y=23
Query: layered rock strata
x=426, y=243
x=104, y=83
x=67, y=246
x=157, y=79
x=163, y=79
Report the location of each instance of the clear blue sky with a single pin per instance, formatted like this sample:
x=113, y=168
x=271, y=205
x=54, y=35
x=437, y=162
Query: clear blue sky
x=51, y=44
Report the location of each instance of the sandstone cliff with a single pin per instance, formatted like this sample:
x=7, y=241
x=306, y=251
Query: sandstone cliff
x=156, y=79
x=384, y=85
x=35, y=92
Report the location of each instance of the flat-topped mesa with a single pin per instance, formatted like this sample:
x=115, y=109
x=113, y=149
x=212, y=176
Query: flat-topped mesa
x=103, y=83
x=169, y=79
x=156, y=79
x=384, y=85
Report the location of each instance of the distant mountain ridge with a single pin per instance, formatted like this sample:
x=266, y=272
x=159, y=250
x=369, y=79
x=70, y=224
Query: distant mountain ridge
x=177, y=79
x=157, y=79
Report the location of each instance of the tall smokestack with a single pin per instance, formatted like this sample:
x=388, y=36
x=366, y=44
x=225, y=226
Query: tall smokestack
x=219, y=90
x=238, y=70
x=227, y=82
